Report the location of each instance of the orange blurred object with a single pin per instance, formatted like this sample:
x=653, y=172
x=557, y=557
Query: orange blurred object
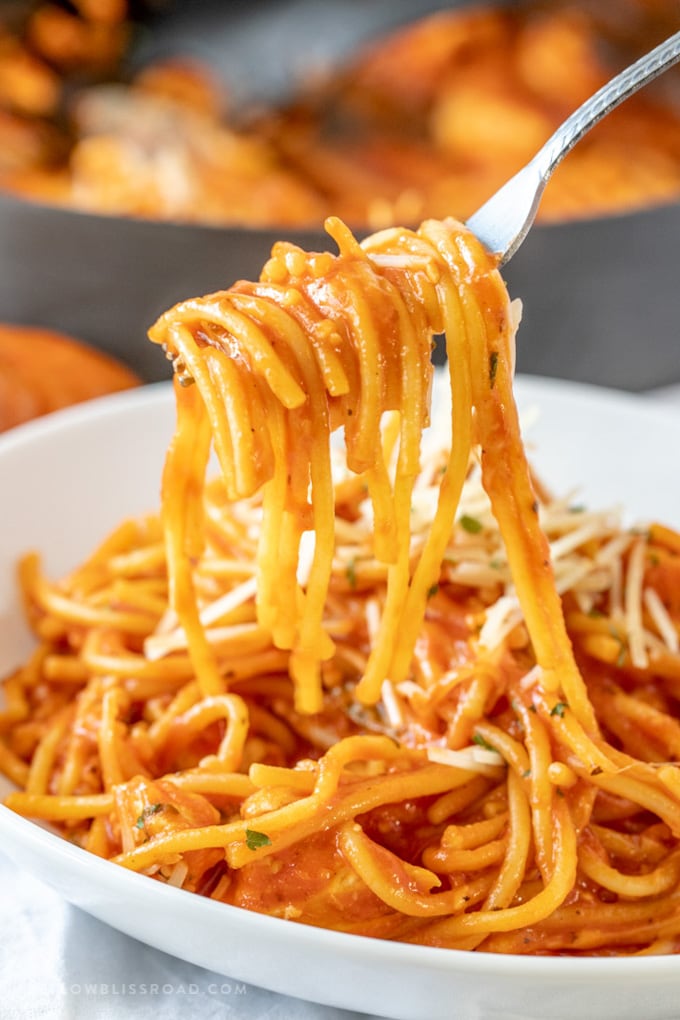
x=42, y=371
x=425, y=121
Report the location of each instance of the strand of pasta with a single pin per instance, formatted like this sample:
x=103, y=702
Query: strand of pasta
x=402, y=886
x=533, y=910
x=288, y=825
x=185, y=467
x=507, y=477
x=427, y=569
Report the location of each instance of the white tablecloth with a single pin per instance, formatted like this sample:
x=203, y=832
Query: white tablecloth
x=57, y=963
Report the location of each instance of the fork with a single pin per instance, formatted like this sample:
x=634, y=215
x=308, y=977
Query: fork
x=503, y=222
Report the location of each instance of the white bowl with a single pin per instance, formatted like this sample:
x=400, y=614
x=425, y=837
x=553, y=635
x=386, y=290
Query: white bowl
x=68, y=479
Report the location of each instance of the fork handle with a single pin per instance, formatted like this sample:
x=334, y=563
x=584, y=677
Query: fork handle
x=604, y=101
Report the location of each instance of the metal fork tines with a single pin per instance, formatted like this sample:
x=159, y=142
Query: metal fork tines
x=503, y=222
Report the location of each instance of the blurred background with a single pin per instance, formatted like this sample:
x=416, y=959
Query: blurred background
x=153, y=151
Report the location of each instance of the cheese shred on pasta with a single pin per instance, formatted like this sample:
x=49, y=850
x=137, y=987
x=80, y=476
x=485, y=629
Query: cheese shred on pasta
x=389, y=686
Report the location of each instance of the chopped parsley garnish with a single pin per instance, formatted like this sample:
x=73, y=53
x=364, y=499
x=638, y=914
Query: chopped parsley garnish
x=470, y=524
x=432, y=591
x=351, y=573
x=559, y=709
x=493, y=367
x=152, y=809
x=481, y=742
x=621, y=657
x=254, y=839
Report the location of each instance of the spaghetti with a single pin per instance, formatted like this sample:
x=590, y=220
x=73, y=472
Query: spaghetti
x=395, y=691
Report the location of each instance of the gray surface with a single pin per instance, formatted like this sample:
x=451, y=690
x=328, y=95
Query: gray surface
x=602, y=300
